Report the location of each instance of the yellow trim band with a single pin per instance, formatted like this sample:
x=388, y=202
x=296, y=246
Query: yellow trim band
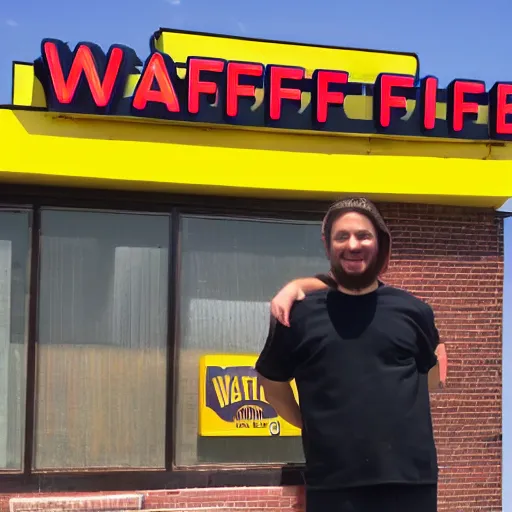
x=49, y=148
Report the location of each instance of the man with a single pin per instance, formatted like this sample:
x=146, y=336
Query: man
x=360, y=352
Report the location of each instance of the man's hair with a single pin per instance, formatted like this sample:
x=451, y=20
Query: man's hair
x=365, y=207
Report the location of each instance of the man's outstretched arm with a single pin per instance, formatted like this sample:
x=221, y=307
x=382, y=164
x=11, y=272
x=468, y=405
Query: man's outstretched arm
x=297, y=289
x=438, y=374
x=280, y=396
x=276, y=367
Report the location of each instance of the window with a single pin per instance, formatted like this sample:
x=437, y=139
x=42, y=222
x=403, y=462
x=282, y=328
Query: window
x=93, y=306
x=102, y=341
x=229, y=270
x=14, y=287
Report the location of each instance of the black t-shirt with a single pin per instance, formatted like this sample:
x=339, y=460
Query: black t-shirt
x=360, y=363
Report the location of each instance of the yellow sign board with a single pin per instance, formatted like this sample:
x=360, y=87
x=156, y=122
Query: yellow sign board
x=56, y=137
x=232, y=403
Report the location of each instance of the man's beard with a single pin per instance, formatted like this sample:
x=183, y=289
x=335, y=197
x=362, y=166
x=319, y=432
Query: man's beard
x=354, y=282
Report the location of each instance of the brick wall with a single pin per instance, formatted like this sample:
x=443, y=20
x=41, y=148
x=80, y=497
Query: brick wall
x=451, y=257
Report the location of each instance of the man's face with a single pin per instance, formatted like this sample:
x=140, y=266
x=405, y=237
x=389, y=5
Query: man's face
x=353, y=251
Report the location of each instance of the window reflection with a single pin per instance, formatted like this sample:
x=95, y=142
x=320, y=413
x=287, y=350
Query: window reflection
x=102, y=352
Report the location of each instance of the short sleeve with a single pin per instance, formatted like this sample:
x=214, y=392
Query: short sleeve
x=276, y=360
x=428, y=341
x=327, y=279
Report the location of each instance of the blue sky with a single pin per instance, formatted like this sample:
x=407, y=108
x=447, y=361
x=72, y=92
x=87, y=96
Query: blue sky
x=453, y=39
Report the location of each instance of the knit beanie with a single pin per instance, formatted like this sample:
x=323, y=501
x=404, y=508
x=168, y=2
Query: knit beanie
x=365, y=207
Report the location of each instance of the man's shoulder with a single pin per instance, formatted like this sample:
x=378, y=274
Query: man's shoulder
x=407, y=298
x=311, y=303
x=313, y=299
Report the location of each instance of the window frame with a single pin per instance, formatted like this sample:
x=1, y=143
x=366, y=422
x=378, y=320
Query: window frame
x=36, y=198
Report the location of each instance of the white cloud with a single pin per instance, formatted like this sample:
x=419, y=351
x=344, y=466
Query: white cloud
x=13, y=23
x=173, y=2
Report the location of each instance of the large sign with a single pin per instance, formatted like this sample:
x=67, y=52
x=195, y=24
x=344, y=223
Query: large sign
x=232, y=403
x=215, y=90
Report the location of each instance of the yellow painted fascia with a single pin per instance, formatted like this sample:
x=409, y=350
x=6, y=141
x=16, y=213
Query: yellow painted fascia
x=27, y=90
x=46, y=148
x=362, y=65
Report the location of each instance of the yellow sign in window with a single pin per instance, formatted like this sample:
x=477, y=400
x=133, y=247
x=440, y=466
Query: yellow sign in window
x=232, y=402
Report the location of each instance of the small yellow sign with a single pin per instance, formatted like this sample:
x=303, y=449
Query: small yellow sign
x=233, y=404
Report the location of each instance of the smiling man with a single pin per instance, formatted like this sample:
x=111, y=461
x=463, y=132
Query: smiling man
x=360, y=352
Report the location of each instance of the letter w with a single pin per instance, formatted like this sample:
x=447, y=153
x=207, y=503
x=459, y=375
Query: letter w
x=84, y=62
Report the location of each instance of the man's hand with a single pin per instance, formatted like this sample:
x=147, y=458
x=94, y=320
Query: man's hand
x=282, y=303
x=437, y=375
x=443, y=364
x=295, y=290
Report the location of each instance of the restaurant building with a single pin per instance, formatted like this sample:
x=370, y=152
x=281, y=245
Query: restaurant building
x=149, y=210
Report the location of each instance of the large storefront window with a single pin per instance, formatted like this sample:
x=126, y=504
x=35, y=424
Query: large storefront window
x=229, y=270
x=102, y=351
x=101, y=337
x=14, y=287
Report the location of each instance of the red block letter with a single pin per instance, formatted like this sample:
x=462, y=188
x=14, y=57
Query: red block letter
x=457, y=107
x=155, y=70
x=324, y=97
x=384, y=99
x=428, y=102
x=276, y=75
x=195, y=85
x=500, y=108
x=83, y=62
x=234, y=89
